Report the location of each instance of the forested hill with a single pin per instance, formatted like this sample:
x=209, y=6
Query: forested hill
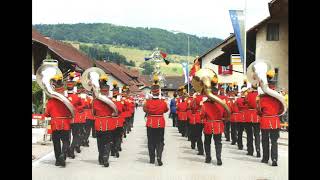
x=142, y=38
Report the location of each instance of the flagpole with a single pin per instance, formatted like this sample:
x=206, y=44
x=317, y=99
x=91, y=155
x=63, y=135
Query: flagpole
x=245, y=40
x=188, y=66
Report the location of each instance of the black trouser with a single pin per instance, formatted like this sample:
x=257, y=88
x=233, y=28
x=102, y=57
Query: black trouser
x=155, y=142
x=174, y=119
x=273, y=134
x=76, y=141
x=116, y=139
x=104, y=139
x=57, y=136
x=240, y=132
x=234, y=133
x=256, y=132
x=183, y=128
x=198, y=137
x=179, y=126
x=132, y=119
x=227, y=130
x=83, y=133
x=89, y=126
x=217, y=143
x=128, y=125
x=192, y=134
x=188, y=129
x=248, y=129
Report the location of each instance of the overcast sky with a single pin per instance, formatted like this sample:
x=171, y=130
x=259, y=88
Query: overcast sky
x=209, y=18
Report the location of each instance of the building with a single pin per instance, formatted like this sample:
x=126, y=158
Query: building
x=267, y=41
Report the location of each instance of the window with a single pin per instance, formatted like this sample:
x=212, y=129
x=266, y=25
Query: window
x=273, y=32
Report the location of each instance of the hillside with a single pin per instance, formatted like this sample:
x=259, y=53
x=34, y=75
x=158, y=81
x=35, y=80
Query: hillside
x=142, y=38
x=137, y=55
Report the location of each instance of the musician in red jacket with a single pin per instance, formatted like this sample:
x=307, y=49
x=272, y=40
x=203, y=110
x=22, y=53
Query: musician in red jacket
x=79, y=113
x=241, y=106
x=236, y=116
x=198, y=127
x=182, y=116
x=253, y=118
x=179, y=100
x=224, y=97
x=268, y=108
x=117, y=133
x=60, y=123
x=104, y=124
x=155, y=108
x=82, y=122
x=212, y=113
x=190, y=118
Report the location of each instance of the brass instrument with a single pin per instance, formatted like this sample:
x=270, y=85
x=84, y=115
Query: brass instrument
x=201, y=82
x=257, y=76
x=44, y=74
x=90, y=81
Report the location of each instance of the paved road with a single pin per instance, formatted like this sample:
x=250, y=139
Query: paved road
x=180, y=161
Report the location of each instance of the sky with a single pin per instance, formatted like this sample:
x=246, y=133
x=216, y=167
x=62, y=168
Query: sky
x=204, y=18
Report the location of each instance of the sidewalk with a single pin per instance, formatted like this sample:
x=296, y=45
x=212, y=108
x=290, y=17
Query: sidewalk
x=39, y=150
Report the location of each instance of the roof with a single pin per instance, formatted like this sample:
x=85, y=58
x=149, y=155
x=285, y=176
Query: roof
x=63, y=50
x=223, y=42
x=113, y=69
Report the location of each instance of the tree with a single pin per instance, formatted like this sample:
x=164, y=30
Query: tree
x=148, y=68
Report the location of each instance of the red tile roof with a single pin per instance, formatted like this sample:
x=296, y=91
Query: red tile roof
x=63, y=50
x=113, y=69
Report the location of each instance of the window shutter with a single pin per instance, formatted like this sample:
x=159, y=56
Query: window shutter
x=230, y=69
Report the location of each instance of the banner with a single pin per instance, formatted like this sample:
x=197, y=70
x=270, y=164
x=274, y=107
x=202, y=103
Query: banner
x=185, y=72
x=235, y=59
x=237, y=20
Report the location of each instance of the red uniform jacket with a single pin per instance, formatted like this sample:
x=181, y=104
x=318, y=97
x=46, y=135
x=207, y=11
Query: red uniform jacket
x=59, y=113
x=236, y=115
x=269, y=107
x=88, y=108
x=182, y=108
x=120, y=118
x=212, y=115
x=155, y=109
x=103, y=118
x=190, y=115
x=242, y=106
x=132, y=106
x=196, y=107
x=127, y=105
x=251, y=114
x=178, y=100
x=78, y=104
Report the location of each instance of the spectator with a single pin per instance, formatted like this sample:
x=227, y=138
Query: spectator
x=173, y=109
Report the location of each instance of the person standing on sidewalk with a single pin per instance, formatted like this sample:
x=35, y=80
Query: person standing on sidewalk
x=60, y=123
x=173, y=109
x=155, y=108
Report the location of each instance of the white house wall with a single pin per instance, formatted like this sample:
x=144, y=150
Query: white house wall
x=275, y=52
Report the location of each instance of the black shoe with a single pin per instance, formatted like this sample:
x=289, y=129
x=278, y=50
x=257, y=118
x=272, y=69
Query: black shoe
x=250, y=154
x=233, y=143
x=200, y=153
x=78, y=149
x=274, y=163
x=258, y=154
x=112, y=154
x=105, y=162
x=100, y=160
x=57, y=163
x=228, y=140
x=208, y=160
x=219, y=162
x=120, y=149
x=62, y=161
x=264, y=161
x=159, y=162
x=117, y=155
x=71, y=156
x=240, y=148
x=193, y=146
x=152, y=161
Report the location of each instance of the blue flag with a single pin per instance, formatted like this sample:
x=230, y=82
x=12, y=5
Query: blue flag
x=185, y=72
x=237, y=19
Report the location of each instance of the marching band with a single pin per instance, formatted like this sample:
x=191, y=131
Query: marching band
x=208, y=109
